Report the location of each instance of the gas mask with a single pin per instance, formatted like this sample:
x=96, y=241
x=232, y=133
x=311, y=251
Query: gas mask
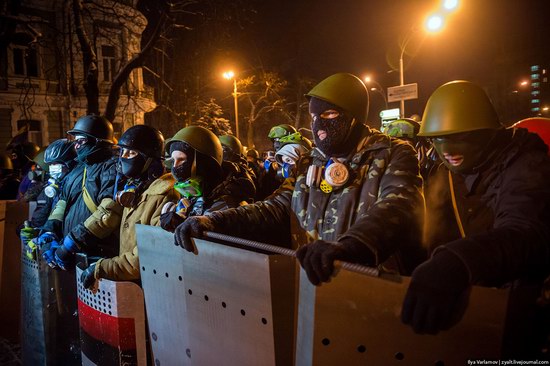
x=127, y=196
x=52, y=189
x=35, y=174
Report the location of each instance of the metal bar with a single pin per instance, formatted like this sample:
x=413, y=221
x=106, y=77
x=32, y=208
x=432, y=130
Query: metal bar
x=352, y=267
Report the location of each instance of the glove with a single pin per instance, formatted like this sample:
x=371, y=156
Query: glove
x=318, y=258
x=194, y=226
x=87, y=277
x=31, y=249
x=169, y=221
x=27, y=232
x=64, y=255
x=46, y=238
x=438, y=294
x=48, y=252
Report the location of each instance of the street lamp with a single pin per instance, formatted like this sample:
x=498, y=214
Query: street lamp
x=433, y=24
x=231, y=75
x=378, y=88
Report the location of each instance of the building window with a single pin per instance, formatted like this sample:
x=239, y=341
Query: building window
x=108, y=54
x=534, y=68
x=535, y=101
x=535, y=76
x=34, y=131
x=535, y=85
x=535, y=109
x=24, y=57
x=535, y=93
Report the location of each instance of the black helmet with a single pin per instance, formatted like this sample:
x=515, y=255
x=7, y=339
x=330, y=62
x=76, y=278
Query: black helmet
x=5, y=162
x=27, y=148
x=95, y=126
x=60, y=152
x=145, y=139
x=253, y=153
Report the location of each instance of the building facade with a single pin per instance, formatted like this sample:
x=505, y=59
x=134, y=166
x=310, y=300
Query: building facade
x=42, y=69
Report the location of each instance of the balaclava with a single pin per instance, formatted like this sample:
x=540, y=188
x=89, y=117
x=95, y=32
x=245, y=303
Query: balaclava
x=183, y=171
x=134, y=167
x=337, y=129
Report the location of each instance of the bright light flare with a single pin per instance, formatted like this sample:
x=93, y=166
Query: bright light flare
x=524, y=82
x=450, y=4
x=228, y=75
x=434, y=23
x=367, y=79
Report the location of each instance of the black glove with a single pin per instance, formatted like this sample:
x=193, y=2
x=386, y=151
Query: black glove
x=169, y=221
x=438, y=294
x=87, y=277
x=192, y=227
x=318, y=258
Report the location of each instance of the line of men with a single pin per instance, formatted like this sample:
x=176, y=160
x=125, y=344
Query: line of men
x=357, y=195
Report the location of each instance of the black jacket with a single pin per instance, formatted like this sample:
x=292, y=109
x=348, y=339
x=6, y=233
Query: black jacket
x=504, y=209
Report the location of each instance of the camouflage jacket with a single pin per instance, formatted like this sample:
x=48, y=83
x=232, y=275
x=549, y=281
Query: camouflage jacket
x=381, y=206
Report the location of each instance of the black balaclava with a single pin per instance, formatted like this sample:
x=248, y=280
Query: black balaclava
x=85, y=150
x=133, y=168
x=183, y=171
x=336, y=143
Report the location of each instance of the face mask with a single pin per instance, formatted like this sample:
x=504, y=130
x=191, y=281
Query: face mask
x=189, y=188
x=182, y=172
x=83, y=151
x=133, y=168
x=56, y=171
x=127, y=196
x=335, y=130
x=463, y=152
x=34, y=174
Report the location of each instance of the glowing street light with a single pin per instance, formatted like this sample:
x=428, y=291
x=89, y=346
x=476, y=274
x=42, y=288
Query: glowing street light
x=231, y=75
x=450, y=4
x=434, y=23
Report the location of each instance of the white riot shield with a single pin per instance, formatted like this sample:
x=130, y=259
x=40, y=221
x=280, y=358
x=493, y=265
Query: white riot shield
x=224, y=306
x=356, y=320
x=112, y=323
x=12, y=214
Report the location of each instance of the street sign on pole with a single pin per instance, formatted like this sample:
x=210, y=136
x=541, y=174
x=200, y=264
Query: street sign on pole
x=403, y=92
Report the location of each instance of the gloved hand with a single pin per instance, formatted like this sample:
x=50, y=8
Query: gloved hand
x=31, y=249
x=46, y=238
x=438, y=294
x=318, y=258
x=27, y=232
x=48, y=252
x=194, y=226
x=169, y=221
x=87, y=277
x=64, y=255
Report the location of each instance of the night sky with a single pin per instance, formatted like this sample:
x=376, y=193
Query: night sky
x=321, y=37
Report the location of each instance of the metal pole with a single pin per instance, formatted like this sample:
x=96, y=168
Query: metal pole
x=235, y=97
x=402, y=81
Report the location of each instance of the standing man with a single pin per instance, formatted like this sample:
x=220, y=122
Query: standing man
x=356, y=197
x=488, y=207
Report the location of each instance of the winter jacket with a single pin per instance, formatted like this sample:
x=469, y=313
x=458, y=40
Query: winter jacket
x=504, y=208
x=147, y=211
x=380, y=207
x=96, y=233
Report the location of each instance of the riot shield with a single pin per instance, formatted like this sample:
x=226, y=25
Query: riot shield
x=12, y=214
x=356, y=318
x=223, y=306
x=112, y=323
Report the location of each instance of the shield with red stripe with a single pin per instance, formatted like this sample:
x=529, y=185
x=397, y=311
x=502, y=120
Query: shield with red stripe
x=112, y=323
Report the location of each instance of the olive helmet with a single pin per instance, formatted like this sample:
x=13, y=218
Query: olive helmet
x=232, y=143
x=402, y=128
x=282, y=130
x=346, y=91
x=200, y=139
x=458, y=106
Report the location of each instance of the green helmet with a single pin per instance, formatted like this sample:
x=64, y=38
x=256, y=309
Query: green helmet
x=5, y=162
x=458, y=106
x=281, y=131
x=253, y=153
x=200, y=139
x=402, y=128
x=232, y=142
x=39, y=159
x=346, y=91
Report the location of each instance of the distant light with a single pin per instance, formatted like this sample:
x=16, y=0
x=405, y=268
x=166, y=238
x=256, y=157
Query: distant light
x=434, y=23
x=228, y=75
x=450, y=4
x=373, y=89
x=523, y=83
x=367, y=79
x=545, y=109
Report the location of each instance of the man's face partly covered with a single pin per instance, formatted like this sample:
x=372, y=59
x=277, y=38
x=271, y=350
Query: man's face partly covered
x=462, y=152
x=330, y=127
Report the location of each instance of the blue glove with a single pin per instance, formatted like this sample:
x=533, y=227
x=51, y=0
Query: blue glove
x=46, y=238
x=88, y=276
x=48, y=251
x=64, y=255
